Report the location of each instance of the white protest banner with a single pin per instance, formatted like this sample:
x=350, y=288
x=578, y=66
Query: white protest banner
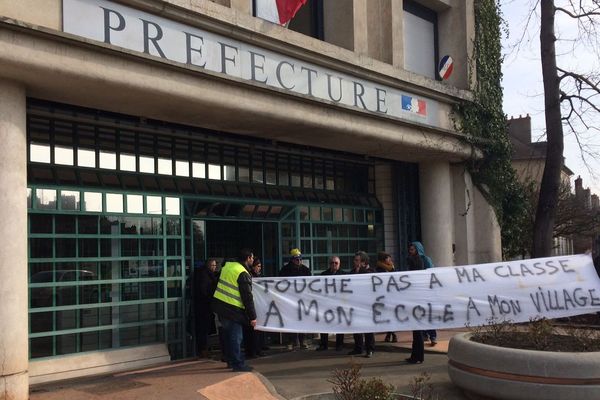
x=437, y=298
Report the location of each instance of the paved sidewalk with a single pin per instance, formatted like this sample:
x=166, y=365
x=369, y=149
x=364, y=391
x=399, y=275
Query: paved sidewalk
x=280, y=375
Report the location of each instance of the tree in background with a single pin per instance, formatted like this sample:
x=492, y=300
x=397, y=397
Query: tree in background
x=569, y=98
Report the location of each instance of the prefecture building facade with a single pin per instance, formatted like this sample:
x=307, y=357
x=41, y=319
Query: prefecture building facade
x=139, y=137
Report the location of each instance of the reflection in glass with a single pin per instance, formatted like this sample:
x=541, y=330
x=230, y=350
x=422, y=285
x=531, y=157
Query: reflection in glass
x=39, y=153
x=153, y=205
x=135, y=204
x=214, y=171
x=171, y=205
x=198, y=170
x=45, y=199
x=271, y=177
x=28, y=197
x=108, y=160
x=63, y=155
x=147, y=164
x=69, y=200
x=86, y=158
x=114, y=202
x=92, y=201
x=127, y=162
x=182, y=168
x=165, y=166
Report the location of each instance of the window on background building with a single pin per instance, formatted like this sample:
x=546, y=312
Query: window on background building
x=420, y=39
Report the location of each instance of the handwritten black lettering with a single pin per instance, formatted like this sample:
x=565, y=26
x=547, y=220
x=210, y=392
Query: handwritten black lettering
x=376, y=308
x=565, y=266
x=433, y=280
x=273, y=310
x=307, y=311
x=471, y=306
x=503, y=307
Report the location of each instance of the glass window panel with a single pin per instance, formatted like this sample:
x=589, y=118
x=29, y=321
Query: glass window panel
x=151, y=290
x=174, y=268
x=69, y=200
x=327, y=214
x=66, y=224
x=151, y=268
x=40, y=223
x=66, y=295
x=63, y=155
x=214, y=171
x=108, y=160
x=244, y=174
x=330, y=183
x=271, y=177
x=129, y=247
x=151, y=247
x=29, y=191
x=172, y=206
x=348, y=215
x=88, y=224
x=229, y=172
x=165, y=166
x=66, y=319
x=39, y=153
x=41, y=347
x=135, y=204
x=41, y=272
x=65, y=247
x=40, y=248
x=173, y=247
x=41, y=297
x=43, y=321
x=92, y=201
x=45, y=199
x=182, y=168
x=173, y=226
x=88, y=340
x=360, y=215
x=174, y=289
x=153, y=205
x=114, y=202
x=199, y=170
x=315, y=213
x=88, y=247
x=257, y=175
x=319, y=182
x=338, y=215
x=147, y=164
x=296, y=180
x=127, y=162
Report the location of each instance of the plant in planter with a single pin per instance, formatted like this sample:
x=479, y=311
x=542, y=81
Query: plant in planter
x=348, y=385
x=532, y=361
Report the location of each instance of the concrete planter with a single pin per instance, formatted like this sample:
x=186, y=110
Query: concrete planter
x=492, y=372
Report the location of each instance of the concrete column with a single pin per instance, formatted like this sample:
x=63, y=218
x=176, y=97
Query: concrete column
x=489, y=239
x=435, y=183
x=244, y=6
x=464, y=216
x=361, y=42
x=397, y=33
x=14, y=380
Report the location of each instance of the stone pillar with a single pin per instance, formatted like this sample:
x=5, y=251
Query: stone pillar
x=361, y=43
x=489, y=239
x=397, y=33
x=435, y=183
x=243, y=6
x=14, y=355
x=464, y=216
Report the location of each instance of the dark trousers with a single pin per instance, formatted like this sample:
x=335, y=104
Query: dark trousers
x=295, y=339
x=418, y=348
x=367, y=345
x=339, y=340
x=253, y=341
x=205, y=324
x=232, y=335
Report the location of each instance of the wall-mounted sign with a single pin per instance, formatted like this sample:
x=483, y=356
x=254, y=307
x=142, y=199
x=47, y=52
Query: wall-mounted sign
x=446, y=66
x=125, y=27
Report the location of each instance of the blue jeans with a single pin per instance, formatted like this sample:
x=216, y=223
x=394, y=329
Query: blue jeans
x=233, y=335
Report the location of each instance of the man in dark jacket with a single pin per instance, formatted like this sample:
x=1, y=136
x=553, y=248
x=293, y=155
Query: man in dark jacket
x=234, y=304
x=334, y=269
x=361, y=266
x=205, y=283
x=294, y=267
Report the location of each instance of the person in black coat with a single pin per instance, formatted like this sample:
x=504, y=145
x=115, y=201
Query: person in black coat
x=334, y=269
x=205, y=282
x=295, y=268
x=415, y=263
x=362, y=341
x=253, y=339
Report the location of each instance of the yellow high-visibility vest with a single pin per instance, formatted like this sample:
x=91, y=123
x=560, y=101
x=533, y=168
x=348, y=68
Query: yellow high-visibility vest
x=228, y=290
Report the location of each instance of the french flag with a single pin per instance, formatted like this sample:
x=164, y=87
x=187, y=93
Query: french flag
x=278, y=11
x=414, y=105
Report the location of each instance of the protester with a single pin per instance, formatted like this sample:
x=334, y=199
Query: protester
x=205, y=283
x=385, y=264
x=362, y=341
x=294, y=267
x=253, y=339
x=234, y=304
x=430, y=334
x=334, y=269
x=415, y=263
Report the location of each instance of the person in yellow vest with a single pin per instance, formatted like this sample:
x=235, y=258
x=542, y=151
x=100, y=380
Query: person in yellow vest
x=234, y=304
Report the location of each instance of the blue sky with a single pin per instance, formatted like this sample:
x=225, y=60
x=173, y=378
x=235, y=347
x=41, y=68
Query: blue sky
x=523, y=90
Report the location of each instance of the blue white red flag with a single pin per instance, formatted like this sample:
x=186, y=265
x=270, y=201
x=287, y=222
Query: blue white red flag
x=278, y=11
x=414, y=105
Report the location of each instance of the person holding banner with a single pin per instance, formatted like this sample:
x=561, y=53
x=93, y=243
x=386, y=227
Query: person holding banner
x=295, y=268
x=362, y=341
x=385, y=264
x=334, y=269
x=234, y=304
x=415, y=263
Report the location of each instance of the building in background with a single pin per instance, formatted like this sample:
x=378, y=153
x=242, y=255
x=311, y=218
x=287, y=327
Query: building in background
x=149, y=135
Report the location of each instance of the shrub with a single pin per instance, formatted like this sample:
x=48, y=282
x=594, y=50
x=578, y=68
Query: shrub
x=348, y=385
